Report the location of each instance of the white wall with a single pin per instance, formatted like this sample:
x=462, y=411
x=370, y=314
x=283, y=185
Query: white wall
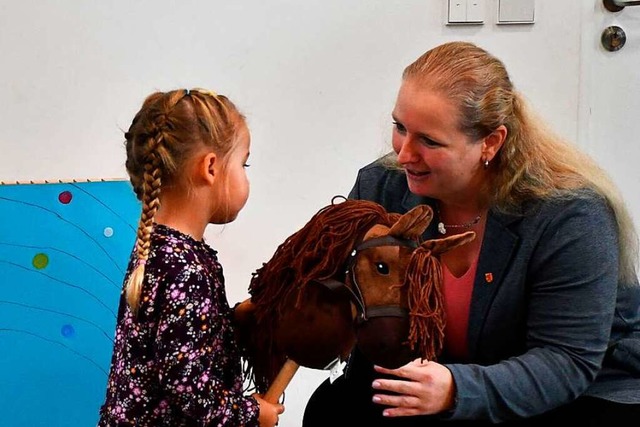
x=609, y=101
x=316, y=78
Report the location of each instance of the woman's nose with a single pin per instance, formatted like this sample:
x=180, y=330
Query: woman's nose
x=405, y=151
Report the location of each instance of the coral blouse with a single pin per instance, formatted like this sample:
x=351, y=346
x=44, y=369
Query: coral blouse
x=457, y=300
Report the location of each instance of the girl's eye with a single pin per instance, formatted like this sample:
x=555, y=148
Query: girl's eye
x=246, y=165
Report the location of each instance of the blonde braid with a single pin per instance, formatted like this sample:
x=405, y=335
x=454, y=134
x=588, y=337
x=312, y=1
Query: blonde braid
x=150, y=203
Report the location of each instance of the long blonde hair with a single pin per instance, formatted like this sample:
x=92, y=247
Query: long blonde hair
x=169, y=128
x=533, y=162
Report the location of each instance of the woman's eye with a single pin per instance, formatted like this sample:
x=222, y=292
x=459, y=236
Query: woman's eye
x=429, y=142
x=399, y=127
x=246, y=165
x=382, y=268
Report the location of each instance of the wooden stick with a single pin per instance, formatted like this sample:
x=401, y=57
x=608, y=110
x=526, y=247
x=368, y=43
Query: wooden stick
x=281, y=382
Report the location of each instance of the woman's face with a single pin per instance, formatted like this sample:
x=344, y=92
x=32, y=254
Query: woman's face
x=440, y=161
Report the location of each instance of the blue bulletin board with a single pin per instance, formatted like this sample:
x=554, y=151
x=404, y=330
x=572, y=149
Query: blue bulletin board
x=64, y=249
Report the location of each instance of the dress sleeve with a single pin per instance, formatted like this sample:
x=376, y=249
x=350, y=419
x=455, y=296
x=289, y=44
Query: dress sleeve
x=196, y=366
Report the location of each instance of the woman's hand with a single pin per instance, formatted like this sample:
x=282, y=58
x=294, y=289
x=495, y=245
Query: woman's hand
x=423, y=388
x=269, y=412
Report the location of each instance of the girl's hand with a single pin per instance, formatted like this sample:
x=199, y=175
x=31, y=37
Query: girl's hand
x=243, y=312
x=269, y=412
x=423, y=388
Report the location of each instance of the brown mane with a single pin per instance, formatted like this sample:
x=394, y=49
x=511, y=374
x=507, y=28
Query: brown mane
x=315, y=252
x=425, y=300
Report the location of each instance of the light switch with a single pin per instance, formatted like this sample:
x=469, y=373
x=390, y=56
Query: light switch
x=465, y=12
x=475, y=11
x=516, y=11
x=457, y=11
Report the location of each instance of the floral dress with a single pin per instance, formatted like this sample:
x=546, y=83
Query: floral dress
x=177, y=363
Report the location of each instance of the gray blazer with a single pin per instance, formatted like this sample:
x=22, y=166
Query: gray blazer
x=553, y=323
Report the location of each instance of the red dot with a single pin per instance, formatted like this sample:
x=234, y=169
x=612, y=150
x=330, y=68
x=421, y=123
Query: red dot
x=65, y=197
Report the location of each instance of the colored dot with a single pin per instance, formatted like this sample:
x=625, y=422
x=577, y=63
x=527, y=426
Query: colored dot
x=65, y=197
x=40, y=261
x=67, y=331
x=108, y=232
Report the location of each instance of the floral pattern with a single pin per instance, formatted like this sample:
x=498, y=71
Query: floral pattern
x=177, y=363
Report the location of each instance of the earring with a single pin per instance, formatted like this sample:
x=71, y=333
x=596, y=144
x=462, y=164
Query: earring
x=486, y=163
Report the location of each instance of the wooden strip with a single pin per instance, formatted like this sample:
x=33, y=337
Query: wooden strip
x=60, y=181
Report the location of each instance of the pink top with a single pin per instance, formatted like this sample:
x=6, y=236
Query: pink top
x=457, y=300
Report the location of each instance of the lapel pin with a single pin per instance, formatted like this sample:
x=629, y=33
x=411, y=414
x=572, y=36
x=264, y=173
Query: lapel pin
x=488, y=277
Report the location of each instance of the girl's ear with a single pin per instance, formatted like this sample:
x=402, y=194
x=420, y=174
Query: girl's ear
x=208, y=167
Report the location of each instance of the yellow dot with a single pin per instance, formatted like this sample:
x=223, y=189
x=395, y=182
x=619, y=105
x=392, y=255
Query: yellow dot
x=40, y=261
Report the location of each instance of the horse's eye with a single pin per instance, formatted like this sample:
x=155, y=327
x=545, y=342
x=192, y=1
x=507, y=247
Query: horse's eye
x=382, y=268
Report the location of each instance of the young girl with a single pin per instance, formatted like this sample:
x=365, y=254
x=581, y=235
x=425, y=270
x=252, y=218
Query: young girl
x=175, y=360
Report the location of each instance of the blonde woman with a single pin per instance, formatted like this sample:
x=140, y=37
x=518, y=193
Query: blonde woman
x=543, y=307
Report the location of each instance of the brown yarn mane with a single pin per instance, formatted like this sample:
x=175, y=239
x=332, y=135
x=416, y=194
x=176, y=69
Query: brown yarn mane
x=425, y=300
x=315, y=252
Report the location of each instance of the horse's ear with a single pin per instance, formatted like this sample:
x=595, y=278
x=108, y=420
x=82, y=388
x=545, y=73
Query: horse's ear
x=412, y=224
x=439, y=246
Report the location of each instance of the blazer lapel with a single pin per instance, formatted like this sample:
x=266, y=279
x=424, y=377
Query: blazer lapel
x=498, y=247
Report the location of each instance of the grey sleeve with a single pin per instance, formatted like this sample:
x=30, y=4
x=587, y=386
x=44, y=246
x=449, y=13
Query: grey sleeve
x=570, y=284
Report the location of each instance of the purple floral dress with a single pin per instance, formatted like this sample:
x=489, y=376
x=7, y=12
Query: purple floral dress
x=177, y=363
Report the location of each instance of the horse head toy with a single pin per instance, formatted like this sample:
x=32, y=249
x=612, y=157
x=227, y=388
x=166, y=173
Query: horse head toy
x=354, y=275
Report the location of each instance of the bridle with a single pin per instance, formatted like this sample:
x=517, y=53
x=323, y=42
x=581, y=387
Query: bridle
x=354, y=291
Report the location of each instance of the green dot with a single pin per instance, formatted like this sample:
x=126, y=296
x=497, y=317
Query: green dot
x=40, y=261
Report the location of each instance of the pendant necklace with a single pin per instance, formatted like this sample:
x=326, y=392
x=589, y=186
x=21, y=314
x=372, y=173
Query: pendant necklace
x=442, y=227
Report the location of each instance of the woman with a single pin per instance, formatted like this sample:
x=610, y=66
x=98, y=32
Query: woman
x=543, y=307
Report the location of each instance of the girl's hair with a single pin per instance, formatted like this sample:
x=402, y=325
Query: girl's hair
x=169, y=128
x=533, y=161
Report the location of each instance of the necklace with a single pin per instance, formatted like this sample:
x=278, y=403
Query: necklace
x=442, y=227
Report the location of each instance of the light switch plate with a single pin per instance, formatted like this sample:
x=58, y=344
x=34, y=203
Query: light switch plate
x=516, y=11
x=457, y=13
x=475, y=11
x=465, y=12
